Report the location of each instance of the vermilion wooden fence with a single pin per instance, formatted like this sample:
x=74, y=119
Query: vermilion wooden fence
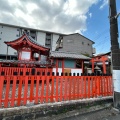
x=18, y=89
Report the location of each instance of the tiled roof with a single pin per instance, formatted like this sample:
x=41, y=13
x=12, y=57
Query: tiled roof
x=35, y=42
x=58, y=54
x=25, y=62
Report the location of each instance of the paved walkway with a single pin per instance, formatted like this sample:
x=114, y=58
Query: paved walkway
x=105, y=114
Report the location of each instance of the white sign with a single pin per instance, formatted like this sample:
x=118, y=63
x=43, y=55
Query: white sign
x=116, y=80
x=25, y=55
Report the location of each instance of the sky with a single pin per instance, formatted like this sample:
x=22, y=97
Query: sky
x=87, y=17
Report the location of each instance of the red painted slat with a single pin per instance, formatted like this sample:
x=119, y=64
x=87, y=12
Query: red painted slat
x=88, y=86
x=78, y=87
x=7, y=92
x=32, y=88
x=1, y=88
x=13, y=91
x=104, y=86
x=25, y=89
x=47, y=86
x=61, y=88
x=65, y=86
x=70, y=83
x=42, y=89
x=85, y=87
x=57, y=87
x=37, y=90
x=52, y=89
x=19, y=90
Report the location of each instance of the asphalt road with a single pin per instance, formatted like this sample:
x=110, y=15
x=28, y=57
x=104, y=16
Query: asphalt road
x=106, y=114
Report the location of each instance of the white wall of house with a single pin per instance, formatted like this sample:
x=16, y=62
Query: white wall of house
x=7, y=34
x=72, y=71
x=55, y=38
x=41, y=38
x=78, y=44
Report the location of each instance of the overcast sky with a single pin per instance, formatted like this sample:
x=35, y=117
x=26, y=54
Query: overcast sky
x=88, y=17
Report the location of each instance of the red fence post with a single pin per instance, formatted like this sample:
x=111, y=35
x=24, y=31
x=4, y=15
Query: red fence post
x=57, y=87
x=19, y=90
x=88, y=86
x=98, y=85
x=65, y=86
x=52, y=89
x=37, y=90
x=70, y=82
x=78, y=87
x=7, y=91
x=32, y=88
x=25, y=90
x=61, y=88
x=13, y=91
x=84, y=86
x=42, y=89
x=47, y=86
x=1, y=88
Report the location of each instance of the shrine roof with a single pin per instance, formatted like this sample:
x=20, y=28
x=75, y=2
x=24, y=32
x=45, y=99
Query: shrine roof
x=15, y=43
x=59, y=54
x=41, y=63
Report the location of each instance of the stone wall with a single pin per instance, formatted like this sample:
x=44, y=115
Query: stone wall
x=51, y=111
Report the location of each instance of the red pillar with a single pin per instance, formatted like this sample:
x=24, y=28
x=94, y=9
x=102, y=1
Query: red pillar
x=104, y=66
x=56, y=66
x=39, y=57
x=92, y=65
x=82, y=66
x=63, y=66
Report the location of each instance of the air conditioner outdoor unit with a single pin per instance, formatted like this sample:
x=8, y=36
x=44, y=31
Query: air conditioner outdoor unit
x=94, y=51
x=15, y=53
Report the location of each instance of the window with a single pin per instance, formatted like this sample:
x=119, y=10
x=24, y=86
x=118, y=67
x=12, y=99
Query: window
x=82, y=43
x=88, y=44
x=17, y=35
x=1, y=32
x=33, y=34
x=78, y=64
x=33, y=37
x=60, y=64
x=0, y=38
x=48, y=39
x=69, y=41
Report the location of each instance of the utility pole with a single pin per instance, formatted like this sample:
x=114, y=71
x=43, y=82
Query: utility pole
x=115, y=52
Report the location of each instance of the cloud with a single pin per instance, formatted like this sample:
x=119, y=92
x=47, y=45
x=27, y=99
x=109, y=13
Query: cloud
x=65, y=16
x=90, y=14
x=104, y=3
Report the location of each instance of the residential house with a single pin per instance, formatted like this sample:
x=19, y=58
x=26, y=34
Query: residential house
x=76, y=43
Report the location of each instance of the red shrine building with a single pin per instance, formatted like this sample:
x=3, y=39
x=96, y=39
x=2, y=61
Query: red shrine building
x=27, y=47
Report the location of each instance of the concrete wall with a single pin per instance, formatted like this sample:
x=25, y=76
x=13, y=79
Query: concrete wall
x=54, y=40
x=7, y=34
x=41, y=38
x=78, y=44
x=55, y=110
